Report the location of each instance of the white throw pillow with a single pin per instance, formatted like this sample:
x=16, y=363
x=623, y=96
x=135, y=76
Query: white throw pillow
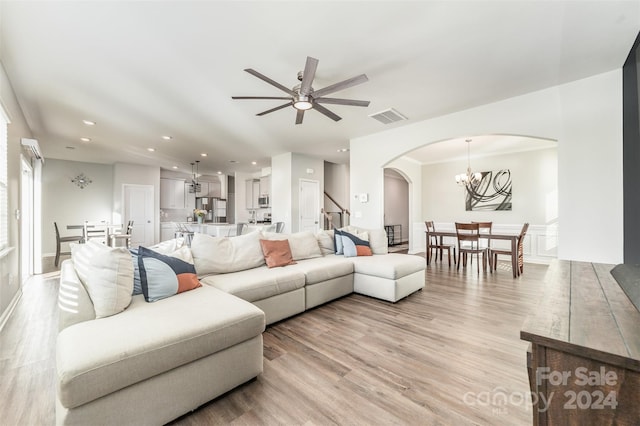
x=213, y=255
x=325, y=241
x=169, y=246
x=303, y=244
x=107, y=274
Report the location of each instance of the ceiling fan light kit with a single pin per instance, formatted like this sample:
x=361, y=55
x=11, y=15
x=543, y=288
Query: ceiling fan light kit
x=303, y=97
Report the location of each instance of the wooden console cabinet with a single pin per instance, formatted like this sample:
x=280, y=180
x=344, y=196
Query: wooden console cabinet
x=584, y=360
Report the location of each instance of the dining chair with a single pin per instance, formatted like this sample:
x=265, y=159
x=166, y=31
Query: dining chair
x=469, y=244
x=184, y=231
x=122, y=235
x=438, y=245
x=97, y=232
x=494, y=253
x=241, y=227
x=65, y=239
x=485, y=229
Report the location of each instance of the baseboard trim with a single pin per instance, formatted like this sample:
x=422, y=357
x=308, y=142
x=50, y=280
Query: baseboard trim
x=7, y=312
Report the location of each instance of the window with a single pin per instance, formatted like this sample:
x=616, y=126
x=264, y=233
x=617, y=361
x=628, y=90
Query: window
x=4, y=192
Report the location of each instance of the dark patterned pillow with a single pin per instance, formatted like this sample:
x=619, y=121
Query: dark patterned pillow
x=163, y=276
x=337, y=241
x=354, y=246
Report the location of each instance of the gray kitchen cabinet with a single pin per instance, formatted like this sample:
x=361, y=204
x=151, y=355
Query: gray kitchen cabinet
x=172, y=194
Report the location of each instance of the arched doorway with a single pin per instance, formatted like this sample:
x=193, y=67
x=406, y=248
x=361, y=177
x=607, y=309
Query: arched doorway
x=396, y=209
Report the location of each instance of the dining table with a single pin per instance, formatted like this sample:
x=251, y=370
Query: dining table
x=513, y=238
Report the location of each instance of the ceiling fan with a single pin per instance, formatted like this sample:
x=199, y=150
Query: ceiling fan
x=303, y=96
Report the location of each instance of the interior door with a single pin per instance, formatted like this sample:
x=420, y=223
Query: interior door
x=138, y=207
x=309, y=205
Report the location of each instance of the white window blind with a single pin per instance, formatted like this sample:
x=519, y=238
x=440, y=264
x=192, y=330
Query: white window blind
x=4, y=193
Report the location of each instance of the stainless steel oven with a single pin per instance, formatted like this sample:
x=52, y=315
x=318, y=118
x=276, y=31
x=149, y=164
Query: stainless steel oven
x=263, y=201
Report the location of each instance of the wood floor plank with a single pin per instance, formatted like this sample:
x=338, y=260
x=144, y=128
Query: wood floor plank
x=444, y=355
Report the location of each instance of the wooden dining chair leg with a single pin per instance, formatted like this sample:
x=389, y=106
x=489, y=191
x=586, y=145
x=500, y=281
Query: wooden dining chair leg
x=57, y=253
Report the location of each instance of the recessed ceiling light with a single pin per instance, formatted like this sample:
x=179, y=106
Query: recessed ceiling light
x=254, y=163
x=219, y=172
x=343, y=150
x=167, y=138
x=204, y=154
x=85, y=139
x=174, y=167
x=151, y=149
x=89, y=122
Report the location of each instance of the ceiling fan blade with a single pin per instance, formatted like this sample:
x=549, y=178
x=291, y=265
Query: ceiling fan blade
x=299, y=116
x=323, y=110
x=341, y=86
x=338, y=101
x=271, y=82
x=276, y=108
x=261, y=97
x=308, y=75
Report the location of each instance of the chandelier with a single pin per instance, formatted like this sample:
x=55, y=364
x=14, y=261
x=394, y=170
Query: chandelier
x=468, y=179
x=194, y=186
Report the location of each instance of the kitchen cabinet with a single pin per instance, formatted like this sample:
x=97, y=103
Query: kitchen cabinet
x=265, y=185
x=172, y=194
x=215, y=189
x=204, y=189
x=189, y=197
x=167, y=231
x=209, y=189
x=252, y=192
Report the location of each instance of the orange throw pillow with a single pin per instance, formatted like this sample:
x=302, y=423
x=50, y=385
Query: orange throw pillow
x=277, y=253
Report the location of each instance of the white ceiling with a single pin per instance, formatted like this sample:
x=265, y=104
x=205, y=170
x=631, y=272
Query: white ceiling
x=143, y=69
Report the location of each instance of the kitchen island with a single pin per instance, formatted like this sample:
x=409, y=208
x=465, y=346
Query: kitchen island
x=168, y=229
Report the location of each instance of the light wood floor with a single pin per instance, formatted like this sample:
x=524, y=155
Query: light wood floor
x=438, y=357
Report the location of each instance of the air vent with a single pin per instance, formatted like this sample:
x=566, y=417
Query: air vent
x=388, y=116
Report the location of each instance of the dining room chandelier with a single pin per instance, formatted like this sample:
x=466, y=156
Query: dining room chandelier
x=469, y=178
x=195, y=186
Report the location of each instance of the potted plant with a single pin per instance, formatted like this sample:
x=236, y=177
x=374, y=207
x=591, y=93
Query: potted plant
x=200, y=214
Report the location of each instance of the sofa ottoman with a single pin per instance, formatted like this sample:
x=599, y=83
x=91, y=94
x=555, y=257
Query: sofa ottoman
x=390, y=276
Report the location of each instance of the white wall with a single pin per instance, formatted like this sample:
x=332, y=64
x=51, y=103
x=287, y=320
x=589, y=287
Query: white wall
x=286, y=171
x=281, y=189
x=584, y=116
x=67, y=204
x=534, y=176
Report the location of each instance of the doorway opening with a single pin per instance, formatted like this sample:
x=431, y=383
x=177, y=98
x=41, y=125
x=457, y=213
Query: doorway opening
x=396, y=210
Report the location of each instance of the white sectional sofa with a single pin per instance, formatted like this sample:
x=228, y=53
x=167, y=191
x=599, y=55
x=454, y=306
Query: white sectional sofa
x=152, y=362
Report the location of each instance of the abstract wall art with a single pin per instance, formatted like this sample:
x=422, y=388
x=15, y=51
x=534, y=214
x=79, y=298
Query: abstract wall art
x=492, y=193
